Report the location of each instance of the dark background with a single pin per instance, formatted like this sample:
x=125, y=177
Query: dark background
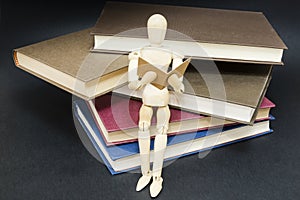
x=42, y=157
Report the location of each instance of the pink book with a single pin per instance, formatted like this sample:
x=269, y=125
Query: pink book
x=266, y=103
x=120, y=113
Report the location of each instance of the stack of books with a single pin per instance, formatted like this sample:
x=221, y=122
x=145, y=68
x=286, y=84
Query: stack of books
x=111, y=124
x=92, y=64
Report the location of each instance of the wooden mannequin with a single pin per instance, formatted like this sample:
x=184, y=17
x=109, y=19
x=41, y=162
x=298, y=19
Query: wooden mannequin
x=161, y=58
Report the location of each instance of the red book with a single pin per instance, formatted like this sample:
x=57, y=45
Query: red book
x=117, y=118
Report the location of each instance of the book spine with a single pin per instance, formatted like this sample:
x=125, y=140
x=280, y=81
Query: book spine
x=15, y=58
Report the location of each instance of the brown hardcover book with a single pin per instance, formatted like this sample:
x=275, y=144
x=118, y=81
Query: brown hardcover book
x=231, y=91
x=67, y=62
x=241, y=36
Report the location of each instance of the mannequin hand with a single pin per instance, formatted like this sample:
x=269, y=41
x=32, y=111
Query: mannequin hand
x=176, y=83
x=135, y=85
x=179, y=89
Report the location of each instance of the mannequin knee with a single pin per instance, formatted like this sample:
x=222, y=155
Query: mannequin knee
x=144, y=131
x=162, y=129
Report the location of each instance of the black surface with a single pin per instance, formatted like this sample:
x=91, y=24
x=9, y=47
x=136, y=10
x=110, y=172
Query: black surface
x=42, y=157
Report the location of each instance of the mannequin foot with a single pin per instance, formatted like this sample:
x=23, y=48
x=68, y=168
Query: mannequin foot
x=156, y=186
x=143, y=181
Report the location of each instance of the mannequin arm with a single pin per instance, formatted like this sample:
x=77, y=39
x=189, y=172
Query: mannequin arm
x=177, y=60
x=139, y=84
x=132, y=66
x=176, y=83
x=148, y=77
x=174, y=80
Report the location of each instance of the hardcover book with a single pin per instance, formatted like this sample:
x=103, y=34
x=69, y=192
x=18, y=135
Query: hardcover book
x=66, y=62
x=120, y=161
x=117, y=118
x=230, y=35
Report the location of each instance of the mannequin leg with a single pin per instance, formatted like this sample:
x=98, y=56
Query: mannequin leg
x=163, y=117
x=144, y=145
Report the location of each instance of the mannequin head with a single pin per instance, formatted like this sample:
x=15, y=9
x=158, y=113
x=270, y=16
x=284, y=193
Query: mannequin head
x=156, y=27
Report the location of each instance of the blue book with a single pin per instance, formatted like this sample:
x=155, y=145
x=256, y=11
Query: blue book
x=124, y=157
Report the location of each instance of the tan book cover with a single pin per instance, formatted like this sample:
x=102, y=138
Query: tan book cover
x=66, y=62
x=239, y=83
x=201, y=24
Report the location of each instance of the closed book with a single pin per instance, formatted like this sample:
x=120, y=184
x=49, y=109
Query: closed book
x=66, y=62
x=231, y=91
x=193, y=143
x=128, y=149
x=230, y=35
x=117, y=118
